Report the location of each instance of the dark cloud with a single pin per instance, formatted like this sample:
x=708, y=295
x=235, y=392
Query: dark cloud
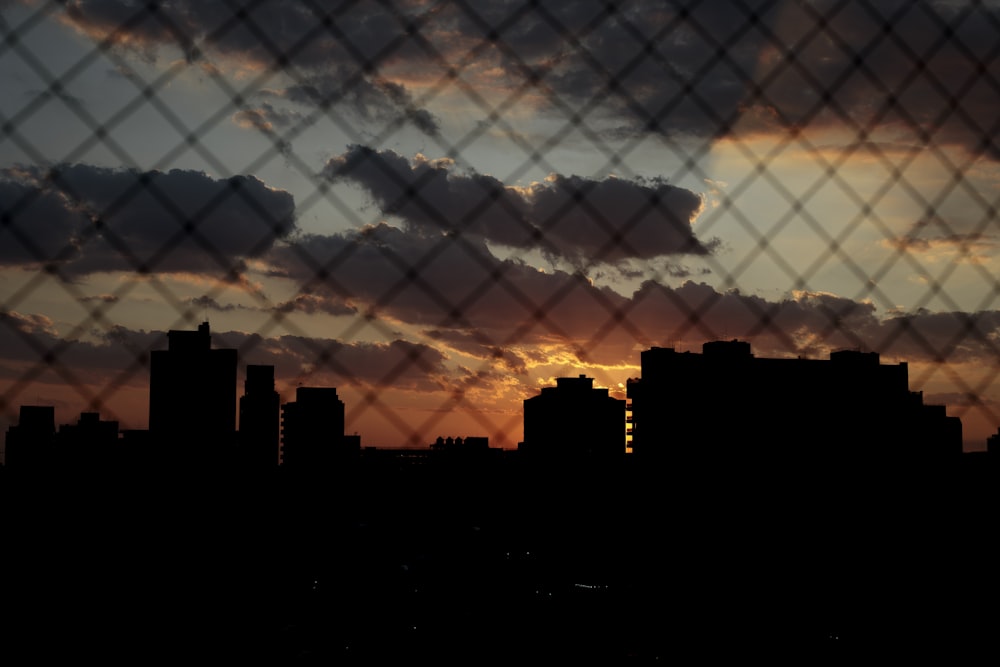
x=680, y=69
x=471, y=344
x=107, y=356
x=616, y=219
x=334, y=53
x=583, y=221
x=31, y=346
x=206, y=302
x=808, y=324
x=504, y=311
x=38, y=226
x=431, y=197
x=312, y=304
x=101, y=298
x=302, y=303
x=811, y=324
x=372, y=99
x=266, y=117
x=942, y=337
x=397, y=364
x=447, y=283
x=961, y=235
x=84, y=219
x=925, y=71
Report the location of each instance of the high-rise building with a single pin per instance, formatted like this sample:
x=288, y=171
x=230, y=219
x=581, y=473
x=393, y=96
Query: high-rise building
x=260, y=414
x=312, y=431
x=573, y=423
x=192, y=392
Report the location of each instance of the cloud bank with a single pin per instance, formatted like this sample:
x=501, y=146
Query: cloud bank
x=463, y=296
x=81, y=219
x=921, y=73
x=572, y=218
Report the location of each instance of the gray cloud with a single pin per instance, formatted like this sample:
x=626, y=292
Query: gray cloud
x=476, y=346
x=680, y=69
x=943, y=337
x=683, y=69
x=312, y=304
x=31, y=342
x=370, y=98
x=446, y=283
x=333, y=54
x=37, y=224
x=206, y=302
x=616, y=219
x=430, y=197
x=84, y=219
x=960, y=234
x=27, y=340
x=397, y=364
x=101, y=298
x=924, y=71
x=504, y=311
x=568, y=217
x=265, y=117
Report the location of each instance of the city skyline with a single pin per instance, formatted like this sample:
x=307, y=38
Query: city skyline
x=463, y=550
x=441, y=208
x=685, y=407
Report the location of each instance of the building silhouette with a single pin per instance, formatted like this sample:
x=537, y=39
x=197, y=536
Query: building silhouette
x=573, y=422
x=260, y=415
x=91, y=443
x=29, y=443
x=312, y=432
x=451, y=537
x=727, y=406
x=192, y=396
x=993, y=443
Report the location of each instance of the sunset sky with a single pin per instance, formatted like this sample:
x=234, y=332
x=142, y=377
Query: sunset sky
x=439, y=208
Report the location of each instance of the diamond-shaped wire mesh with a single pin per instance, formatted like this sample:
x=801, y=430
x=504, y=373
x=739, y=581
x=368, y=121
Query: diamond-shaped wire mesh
x=440, y=207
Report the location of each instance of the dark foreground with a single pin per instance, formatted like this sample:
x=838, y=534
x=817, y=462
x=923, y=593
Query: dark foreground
x=479, y=567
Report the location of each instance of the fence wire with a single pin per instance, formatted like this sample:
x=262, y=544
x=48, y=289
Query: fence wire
x=535, y=188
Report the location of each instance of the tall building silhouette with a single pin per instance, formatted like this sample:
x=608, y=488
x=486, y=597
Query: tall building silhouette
x=727, y=405
x=573, y=423
x=192, y=392
x=312, y=431
x=260, y=415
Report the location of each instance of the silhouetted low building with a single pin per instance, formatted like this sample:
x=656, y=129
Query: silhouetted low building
x=468, y=453
x=312, y=432
x=29, y=443
x=727, y=406
x=91, y=443
x=993, y=443
x=573, y=423
x=470, y=444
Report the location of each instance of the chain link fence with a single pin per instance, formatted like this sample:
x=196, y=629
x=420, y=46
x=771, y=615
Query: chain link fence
x=440, y=207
